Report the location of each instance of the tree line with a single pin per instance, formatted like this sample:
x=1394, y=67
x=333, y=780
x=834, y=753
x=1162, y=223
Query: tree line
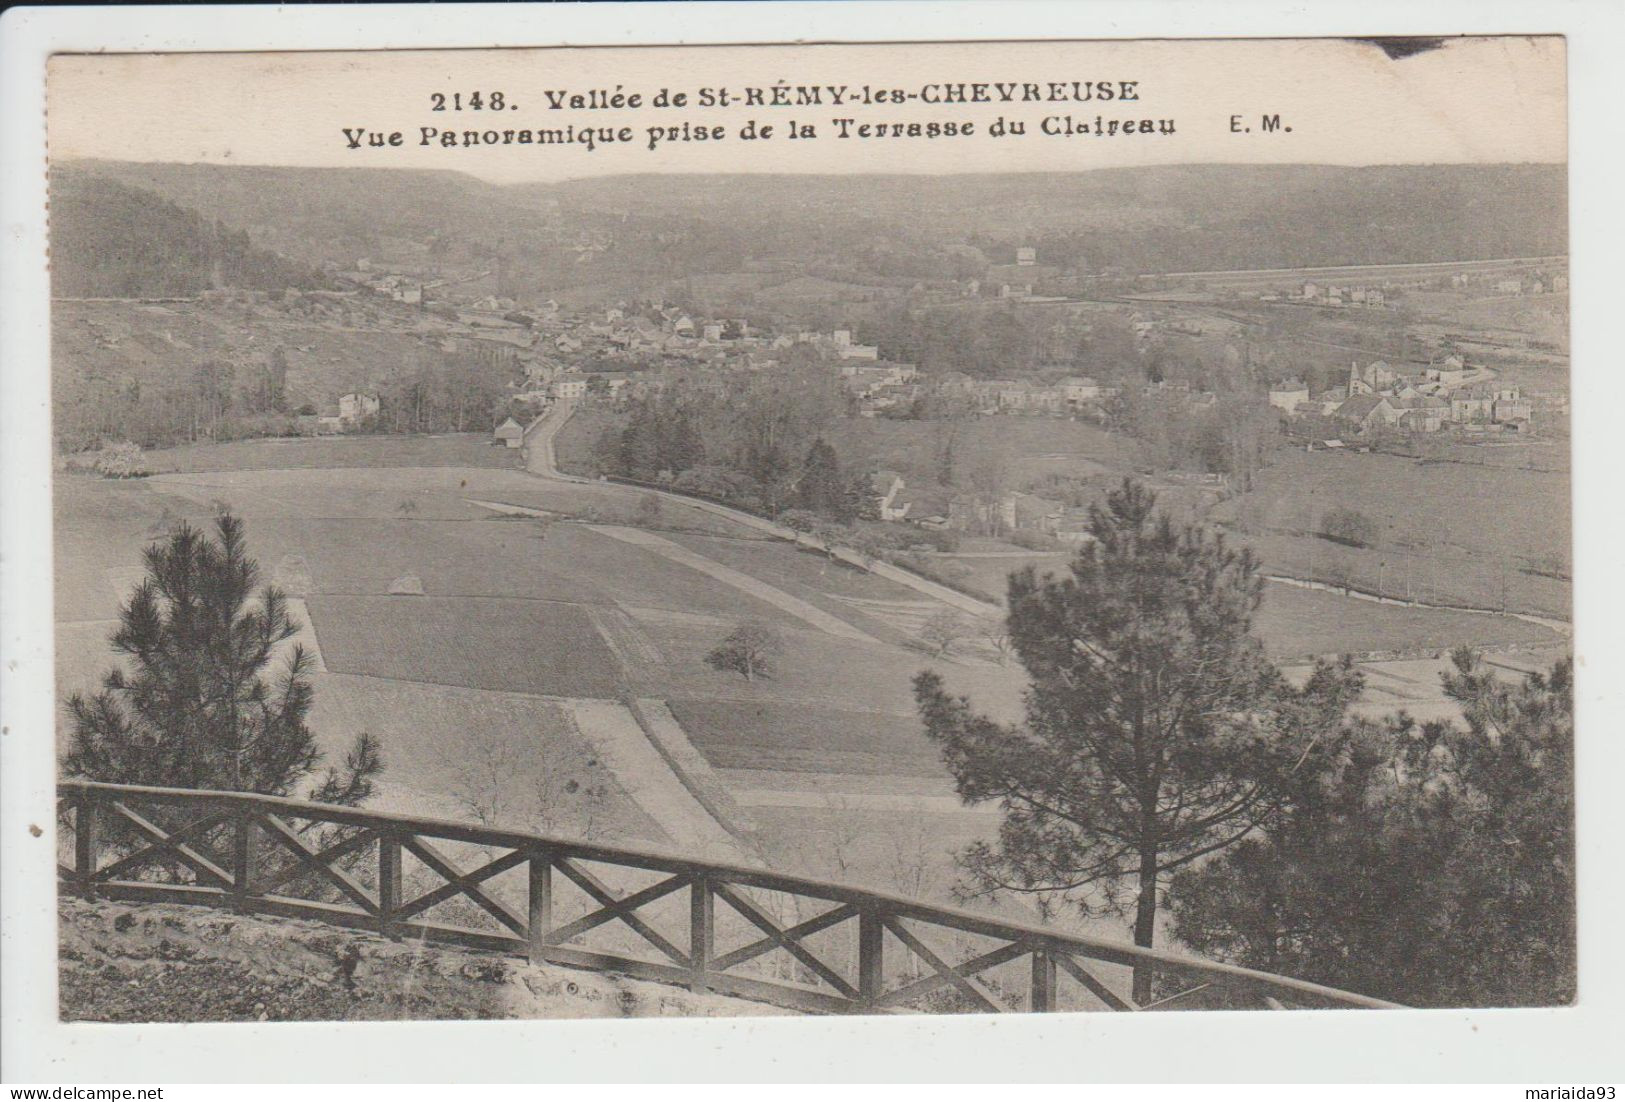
x=762, y=449
x=220, y=400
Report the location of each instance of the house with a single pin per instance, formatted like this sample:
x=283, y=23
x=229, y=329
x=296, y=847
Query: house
x=611, y=383
x=357, y=407
x=1367, y=412
x=1381, y=376
x=887, y=486
x=1511, y=409
x=1026, y=256
x=1325, y=403
x=1509, y=287
x=1420, y=412
x=1030, y=512
x=1472, y=405
x=844, y=347
x=509, y=434
x=1077, y=389
x=1452, y=372
x=1288, y=394
x=573, y=386
x=926, y=508
x=1007, y=394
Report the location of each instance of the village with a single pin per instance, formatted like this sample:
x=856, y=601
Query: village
x=608, y=356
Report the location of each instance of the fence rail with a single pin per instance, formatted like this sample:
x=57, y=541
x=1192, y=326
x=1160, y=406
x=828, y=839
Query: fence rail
x=705, y=926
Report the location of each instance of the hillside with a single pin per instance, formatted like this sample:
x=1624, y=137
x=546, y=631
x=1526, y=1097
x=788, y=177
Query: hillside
x=641, y=230
x=109, y=240
x=143, y=371
x=163, y=963
x=1181, y=218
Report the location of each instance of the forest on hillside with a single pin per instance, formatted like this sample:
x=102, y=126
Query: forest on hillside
x=113, y=241
x=652, y=230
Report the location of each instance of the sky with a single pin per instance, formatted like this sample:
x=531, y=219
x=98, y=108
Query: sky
x=1475, y=100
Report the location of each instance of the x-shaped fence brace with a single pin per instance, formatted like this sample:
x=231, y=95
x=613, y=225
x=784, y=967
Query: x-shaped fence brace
x=333, y=847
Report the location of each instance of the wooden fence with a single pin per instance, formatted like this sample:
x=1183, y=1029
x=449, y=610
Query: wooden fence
x=738, y=931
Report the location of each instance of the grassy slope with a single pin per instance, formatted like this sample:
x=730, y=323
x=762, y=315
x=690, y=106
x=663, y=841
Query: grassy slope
x=509, y=602
x=162, y=346
x=1454, y=529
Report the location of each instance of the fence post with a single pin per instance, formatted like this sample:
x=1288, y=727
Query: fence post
x=242, y=864
x=1043, y=991
x=871, y=942
x=389, y=882
x=701, y=932
x=541, y=905
x=85, y=844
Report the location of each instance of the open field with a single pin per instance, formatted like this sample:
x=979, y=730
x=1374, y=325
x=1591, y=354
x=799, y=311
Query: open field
x=527, y=634
x=472, y=449
x=801, y=738
x=448, y=748
x=534, y=647
x=1294, y=622
x=1458, y=534
x=574, y=441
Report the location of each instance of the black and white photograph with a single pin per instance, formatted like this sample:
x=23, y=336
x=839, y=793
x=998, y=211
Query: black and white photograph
x=721, y=531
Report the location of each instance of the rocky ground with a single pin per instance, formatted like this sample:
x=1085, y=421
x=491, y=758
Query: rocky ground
x=159, y=963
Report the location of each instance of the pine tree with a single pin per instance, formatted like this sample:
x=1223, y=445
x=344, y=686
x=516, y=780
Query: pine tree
x=1432, y=864
x=682, y=447
x=196, y=709
x=820, y=489
x=640, y=444
x=1156, y=732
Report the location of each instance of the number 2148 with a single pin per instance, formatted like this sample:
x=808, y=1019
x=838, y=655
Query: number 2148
x=493, y=101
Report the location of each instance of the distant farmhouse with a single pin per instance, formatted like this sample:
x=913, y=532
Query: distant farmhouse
x=509, y=434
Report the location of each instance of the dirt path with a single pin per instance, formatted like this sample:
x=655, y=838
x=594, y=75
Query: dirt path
x=652, y=784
